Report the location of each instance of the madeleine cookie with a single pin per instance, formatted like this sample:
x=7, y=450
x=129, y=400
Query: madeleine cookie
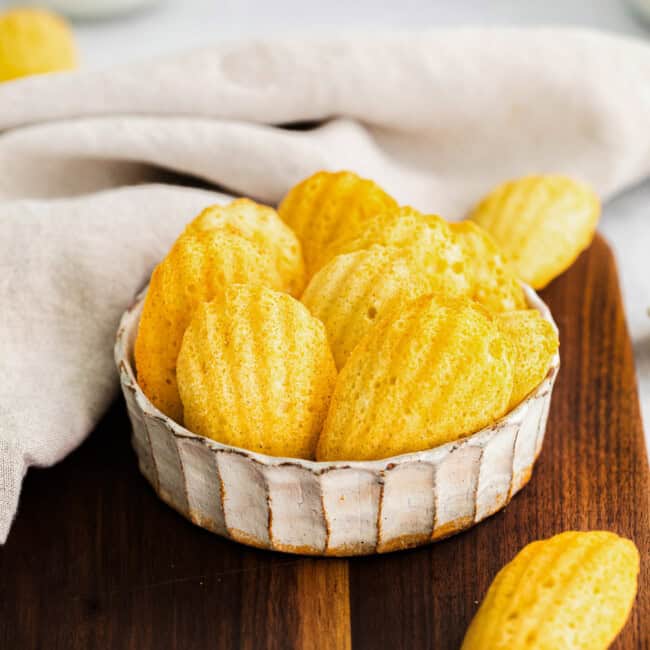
x=255, y=371
x=34, y=41
x=572, y=591
x=536, y=343
x=329, y=205
x=433, y=372
x=541, y=222
x=262, y=225
x=197, y=268
x=352, y=292
x=428, y=238
x=493, y=282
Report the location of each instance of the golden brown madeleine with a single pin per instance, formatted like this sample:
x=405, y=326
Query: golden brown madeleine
x=541, y=222
x=262, y=225
x=494, y=283
x=255, y=371
x=352, y=292
x=197, y=268
x=536, y=343
x=436, y=371
x=428, y=238
x=573, y=591
x=326, y=206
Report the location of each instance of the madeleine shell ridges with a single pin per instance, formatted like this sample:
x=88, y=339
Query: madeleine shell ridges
x=436, y=371
x=353, y=291
x=493, y=282
x=541, y=222
x=428, y=238
x=328, y=205
x=262, y=225
x=255, y=371
x=573, y=591
x=197, y=268
x=536, y=343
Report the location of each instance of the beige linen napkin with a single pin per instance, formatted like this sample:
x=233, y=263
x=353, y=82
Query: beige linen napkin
x=437, y=118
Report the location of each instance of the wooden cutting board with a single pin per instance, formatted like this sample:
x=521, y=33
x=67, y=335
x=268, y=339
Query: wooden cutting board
x=95, y=560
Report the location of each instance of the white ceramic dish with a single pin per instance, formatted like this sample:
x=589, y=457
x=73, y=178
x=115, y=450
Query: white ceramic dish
x=333, y=508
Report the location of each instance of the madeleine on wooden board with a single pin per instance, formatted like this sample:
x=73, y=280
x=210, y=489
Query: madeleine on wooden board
x=541, y=222
x=573, y=591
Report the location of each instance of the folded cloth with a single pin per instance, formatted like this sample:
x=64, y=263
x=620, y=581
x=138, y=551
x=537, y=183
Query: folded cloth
x=437, y=118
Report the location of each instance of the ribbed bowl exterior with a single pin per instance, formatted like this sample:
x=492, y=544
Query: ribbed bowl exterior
x=333, y=508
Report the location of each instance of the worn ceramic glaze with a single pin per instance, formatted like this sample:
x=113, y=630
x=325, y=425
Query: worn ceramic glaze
x=333, y=508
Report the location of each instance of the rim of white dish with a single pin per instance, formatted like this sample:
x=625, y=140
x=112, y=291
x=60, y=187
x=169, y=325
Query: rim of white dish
x=124, y=361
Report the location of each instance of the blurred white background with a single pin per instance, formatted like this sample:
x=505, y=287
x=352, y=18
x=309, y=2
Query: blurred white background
x=170, y=25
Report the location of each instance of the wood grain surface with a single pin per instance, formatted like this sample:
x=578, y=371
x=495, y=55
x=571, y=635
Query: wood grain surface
x=95, y=560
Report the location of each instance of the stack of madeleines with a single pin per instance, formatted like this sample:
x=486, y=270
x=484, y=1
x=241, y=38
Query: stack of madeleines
x=346, y=327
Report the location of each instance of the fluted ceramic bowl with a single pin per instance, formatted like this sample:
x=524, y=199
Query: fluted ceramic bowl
x=333, y=508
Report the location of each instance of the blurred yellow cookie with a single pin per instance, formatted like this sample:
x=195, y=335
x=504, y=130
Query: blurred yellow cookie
x=433, y=372
x=352, y=292
x=541, y=222
x=197, y=268
x=536, y=343
x=255, y=371
x=573, y=591
x=428, y=238
x=328, y=205
x=262, y=225
x=493, y=282
x=34, y=41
